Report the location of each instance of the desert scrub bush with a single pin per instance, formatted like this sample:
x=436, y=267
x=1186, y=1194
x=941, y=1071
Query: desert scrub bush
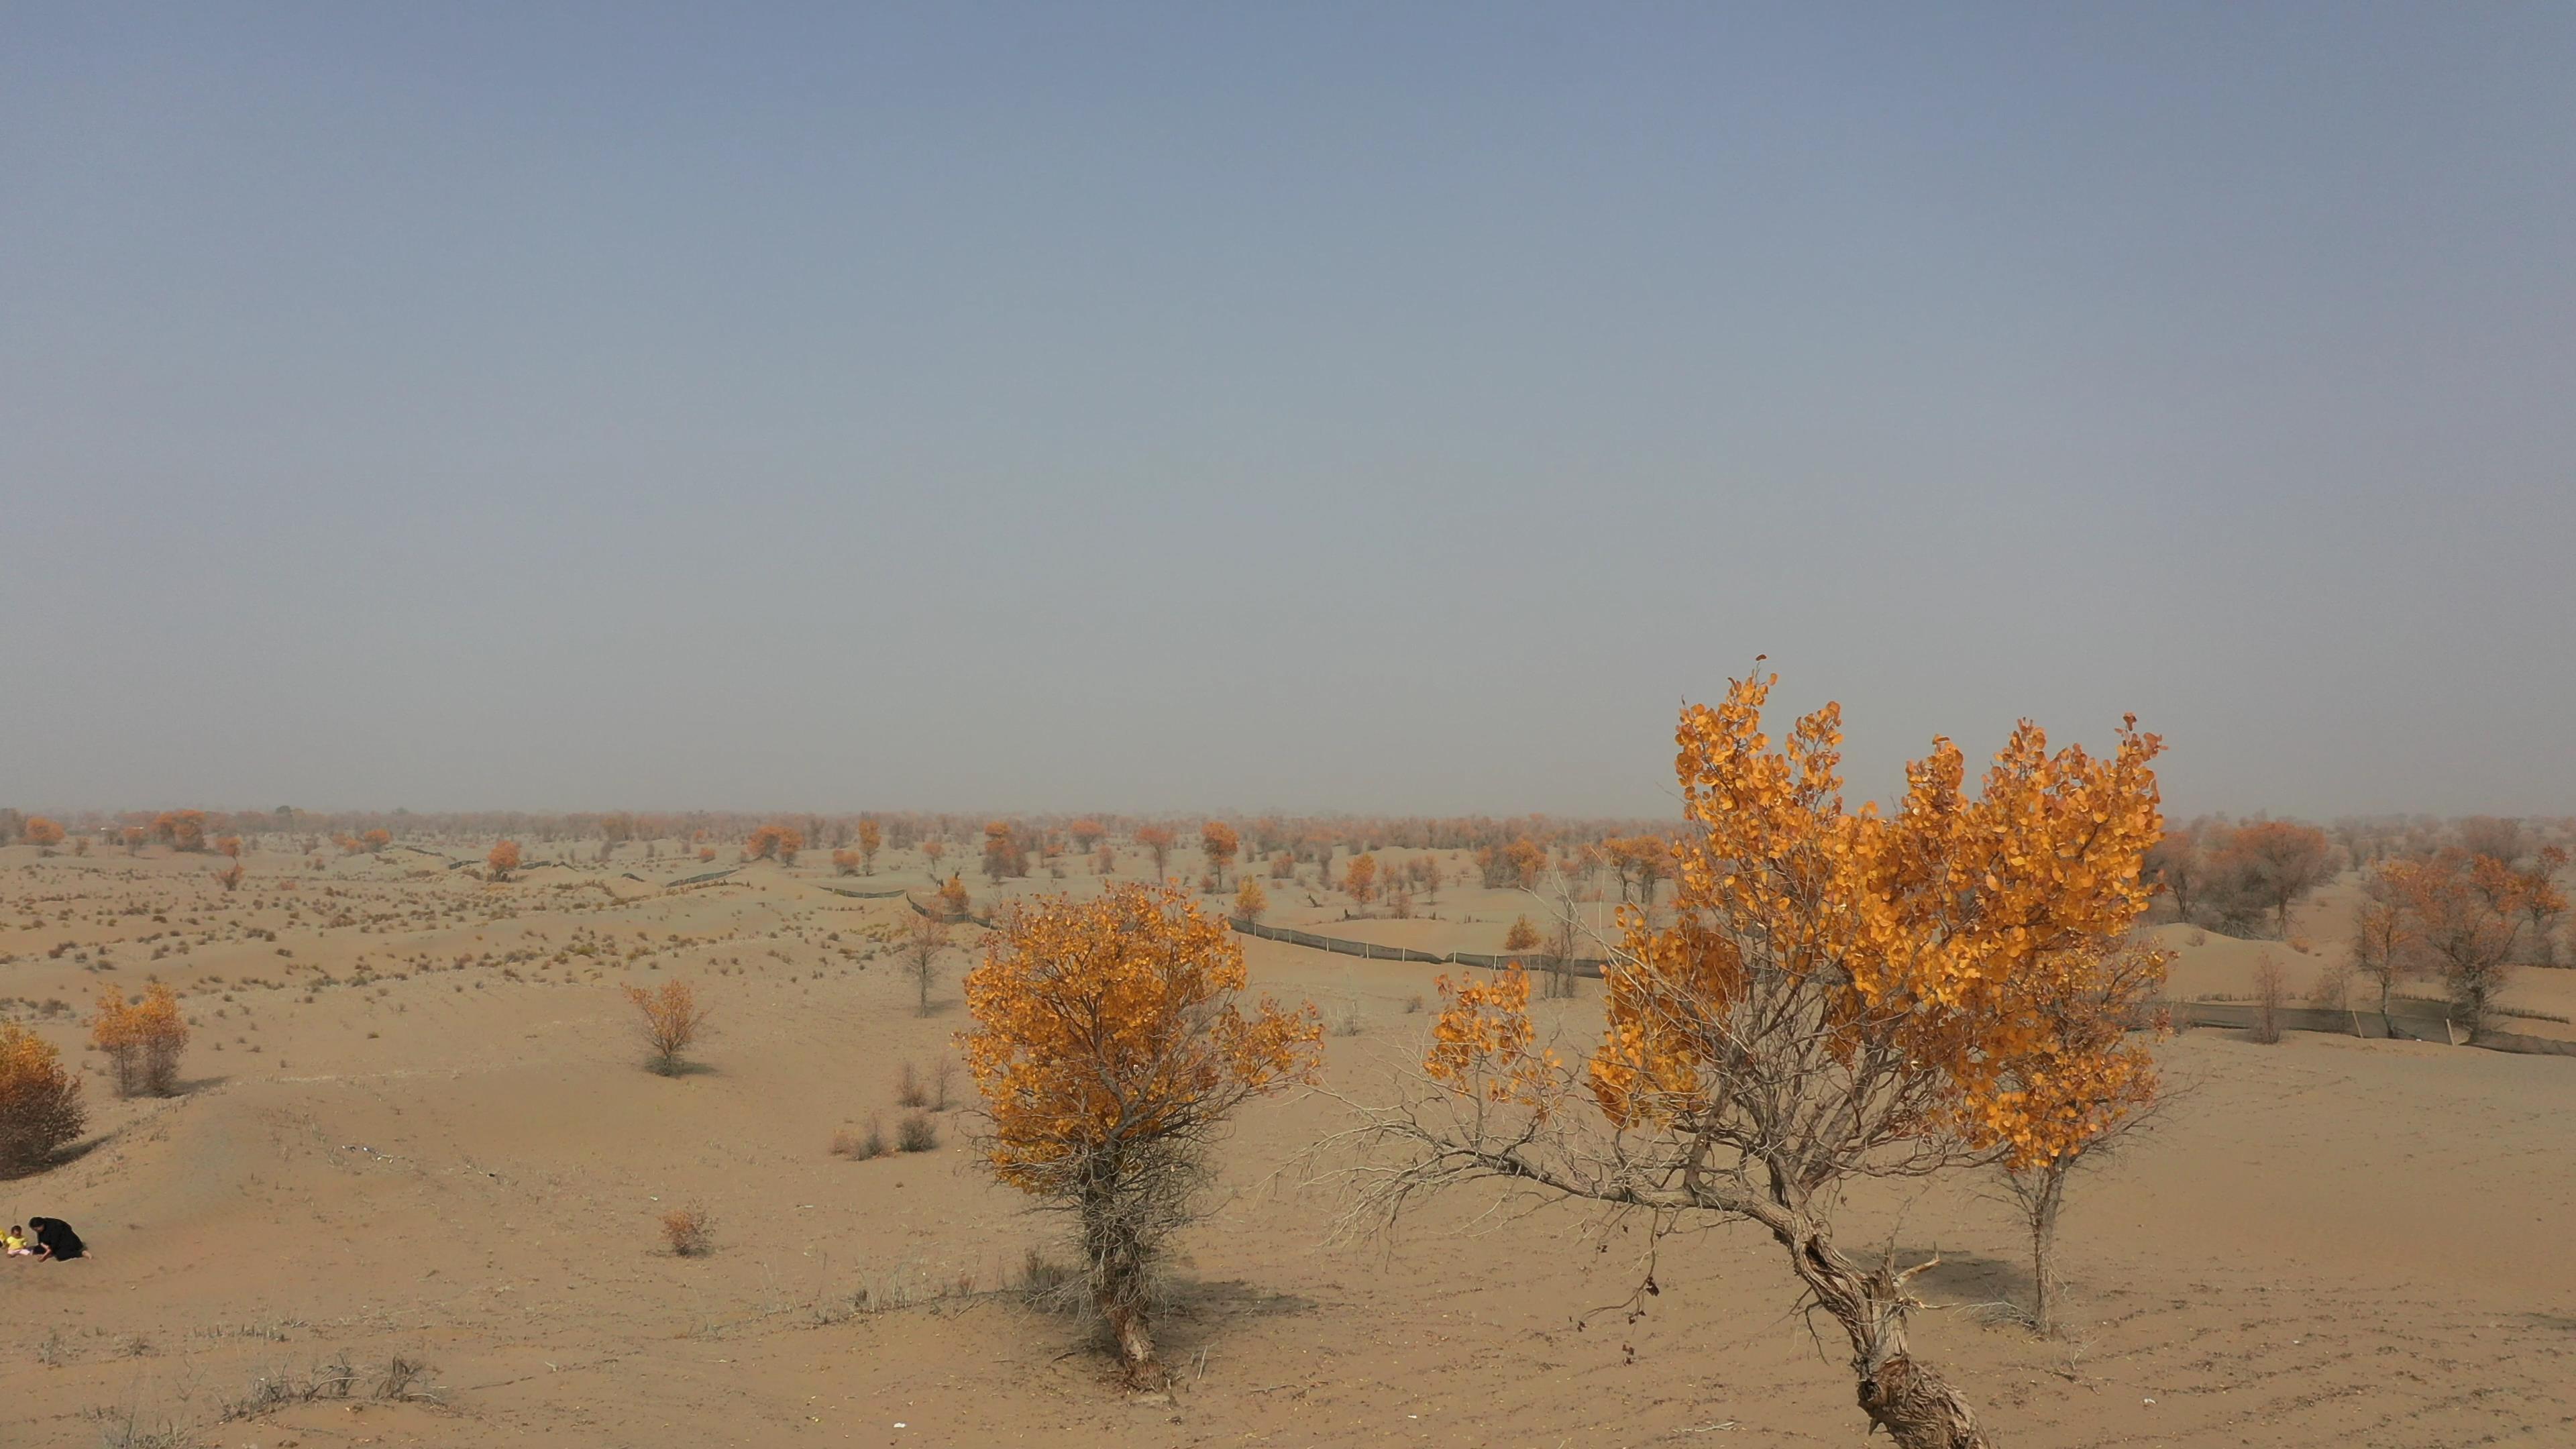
x=142, y=1040
x=1522, y=936
x=917, y=1133
x=2271, y=992
x=670, y=1022
x=908, y=1088
x=860, y=1146
x=1110, y=1051
x=40, y=1102
x=690, y=1232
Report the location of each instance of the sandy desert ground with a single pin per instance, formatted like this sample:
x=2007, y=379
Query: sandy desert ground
x=415, y=1125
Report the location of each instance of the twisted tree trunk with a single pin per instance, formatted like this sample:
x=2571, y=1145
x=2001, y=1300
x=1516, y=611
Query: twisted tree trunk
x=1900, y=1393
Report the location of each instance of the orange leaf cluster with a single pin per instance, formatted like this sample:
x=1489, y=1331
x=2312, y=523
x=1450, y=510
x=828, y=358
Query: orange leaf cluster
x=1113, y=1021
x=1482, y=1042
x=40, y=1106
x=1942, y=950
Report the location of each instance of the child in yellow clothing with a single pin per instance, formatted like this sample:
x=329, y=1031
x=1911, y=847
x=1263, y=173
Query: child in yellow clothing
x=15, y=1240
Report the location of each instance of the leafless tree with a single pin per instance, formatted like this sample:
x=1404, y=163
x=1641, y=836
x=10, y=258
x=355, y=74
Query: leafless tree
x=922, y=944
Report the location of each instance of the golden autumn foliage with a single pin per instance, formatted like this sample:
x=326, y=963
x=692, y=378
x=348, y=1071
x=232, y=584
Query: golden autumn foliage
x=1922, y=989
x=1522, y=936
x=230, y=878
x=670, y=1020
x=774, y=842
x=871, y=840
x=1110, y=1047
x=180, y=829
x=43, y=832
x=1086, y=834
x=503, y=859
x=230, y=845
x=1359, y=878
x=954, y=904
x=1250, y=900
x=845, y=862
x=1218, y=841
x=142, y=1040
x=2466, y=913
x=1157, y=840
x=40, y=1101
x=378, y=839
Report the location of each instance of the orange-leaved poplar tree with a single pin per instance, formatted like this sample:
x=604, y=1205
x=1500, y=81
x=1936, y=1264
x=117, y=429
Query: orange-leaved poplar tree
x=2467, y=914
x=670, y=1021
x=1359, y=878
x=774, y=842
x=502, y=859
x=42, y=832
x=1836, y=995
x=2077, y=1086
x=1218, y=841
x=1250, y=900
x=1110, y=1047
x=40, y=1101
x=1157, y=840
x=142, y=1039
x=871, y=840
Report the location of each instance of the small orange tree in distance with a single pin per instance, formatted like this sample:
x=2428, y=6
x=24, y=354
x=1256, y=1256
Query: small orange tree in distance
x=1086, y=834
x=40, y=1101
x=845, y=862
x=2077, y=1085
x=378, y=839
x=1522, y=936
x=1250, y=900
x=774, y=842
x=43, y=833
x=2466, y=911
x=1359, y=878
x=1887, y=980
x=1109, y=1049
x=953, y=900
x=143, y=1039
x=503, y=859
x=1219, y=843
x=871, y=840
x=1157, y=840
x=671, y=1021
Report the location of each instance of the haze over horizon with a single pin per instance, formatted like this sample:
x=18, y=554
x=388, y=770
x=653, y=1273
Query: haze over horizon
x=1329, y=409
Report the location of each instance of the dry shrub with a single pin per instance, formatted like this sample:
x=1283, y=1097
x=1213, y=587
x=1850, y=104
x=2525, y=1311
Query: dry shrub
x=672, y=1021
x=845, y=862
x=706, y=853
x=861, y=1146
x=690, y=1231
x=1522, y=936
x=2271, y=990
x=40, y=1105
x=918, y=1133
x=2333, y=988
x=230, y=879
x=908, y=1091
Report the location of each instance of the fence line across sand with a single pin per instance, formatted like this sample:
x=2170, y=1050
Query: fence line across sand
x=1371, y=950
x=2407, y=1020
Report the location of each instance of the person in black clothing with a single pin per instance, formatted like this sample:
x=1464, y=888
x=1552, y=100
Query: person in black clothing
x=55, y=1239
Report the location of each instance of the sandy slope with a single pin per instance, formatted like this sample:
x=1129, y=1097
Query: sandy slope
x=2326, y=1242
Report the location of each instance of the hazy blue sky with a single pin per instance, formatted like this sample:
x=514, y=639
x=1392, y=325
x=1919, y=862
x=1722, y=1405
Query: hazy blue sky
x=1372, y=408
